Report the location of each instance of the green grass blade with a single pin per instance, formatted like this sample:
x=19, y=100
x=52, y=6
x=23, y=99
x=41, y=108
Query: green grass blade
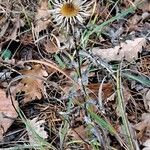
x=102, y=123
x=122, y=112
x=106, y=125
x=64, y=127
x=98, y=28
x=60, y=62
x=137, y=77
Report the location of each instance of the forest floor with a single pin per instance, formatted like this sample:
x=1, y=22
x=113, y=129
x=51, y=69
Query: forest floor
x=75, y=75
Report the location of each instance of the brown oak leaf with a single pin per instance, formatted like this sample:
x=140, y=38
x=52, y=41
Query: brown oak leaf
x=32, y=84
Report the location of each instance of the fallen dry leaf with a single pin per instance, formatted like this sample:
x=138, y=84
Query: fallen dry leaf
x=10, y=29
x=80, y=133
x=147, y=145
x=143, y=127
x=26, y=38
x=4, y=15
x=107, y=89
x=7, y=112
x=111, y=97
x=52, y=45
x=127, y=50
x=33, y=87
x=4, y=28
x=38, y=128
x=42, y=17
x=16, y=26
x=144, y=5
x=133, y=22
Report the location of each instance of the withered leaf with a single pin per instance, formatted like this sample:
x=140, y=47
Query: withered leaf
x=7, y=112
x=127, y=50
x=42, y=17
x=33, y=87
x=39, y=129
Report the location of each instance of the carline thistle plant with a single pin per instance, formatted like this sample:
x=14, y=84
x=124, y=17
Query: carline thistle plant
x=68, y=13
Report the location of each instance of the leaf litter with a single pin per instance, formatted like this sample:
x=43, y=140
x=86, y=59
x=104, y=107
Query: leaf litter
x=68, y=89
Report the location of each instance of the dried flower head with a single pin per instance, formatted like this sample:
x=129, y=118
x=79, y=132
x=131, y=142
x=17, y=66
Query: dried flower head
x=67, y=13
